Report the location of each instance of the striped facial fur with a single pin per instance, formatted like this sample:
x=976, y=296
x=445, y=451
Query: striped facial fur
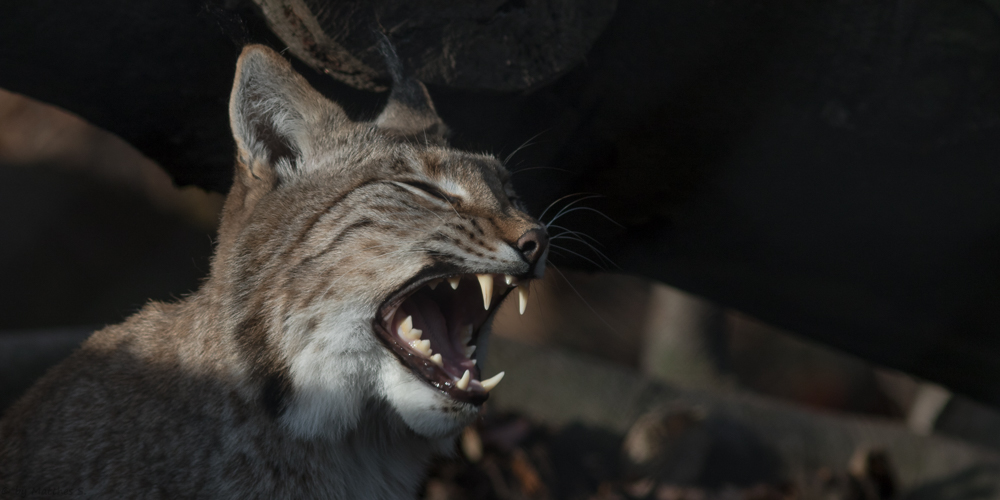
x=363, y=262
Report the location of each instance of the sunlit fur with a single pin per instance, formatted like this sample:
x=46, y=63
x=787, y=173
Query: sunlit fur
x=268, y=382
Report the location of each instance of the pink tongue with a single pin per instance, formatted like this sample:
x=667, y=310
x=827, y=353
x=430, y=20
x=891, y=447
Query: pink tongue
x=466, y=309
x=427, y=316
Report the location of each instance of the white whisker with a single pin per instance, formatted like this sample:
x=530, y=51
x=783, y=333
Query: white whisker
x=588, y=209
x=522, y=146
x=591, y=247
x=613, y=329
x=540, y=217
x=556, y=248
x=575, y=233
x=570, y=204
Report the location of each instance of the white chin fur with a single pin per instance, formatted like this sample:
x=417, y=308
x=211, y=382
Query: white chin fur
x=426, y=410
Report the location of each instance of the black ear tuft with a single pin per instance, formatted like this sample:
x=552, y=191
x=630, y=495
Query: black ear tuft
x=392, y=62
x=409, y=113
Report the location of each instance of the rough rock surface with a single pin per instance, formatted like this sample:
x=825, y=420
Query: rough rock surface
x=497, y=45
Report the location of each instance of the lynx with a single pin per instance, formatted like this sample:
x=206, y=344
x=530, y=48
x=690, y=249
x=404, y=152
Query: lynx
x=333, y=349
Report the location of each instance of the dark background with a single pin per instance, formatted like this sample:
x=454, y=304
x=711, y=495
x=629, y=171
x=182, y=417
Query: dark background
x=830, y=167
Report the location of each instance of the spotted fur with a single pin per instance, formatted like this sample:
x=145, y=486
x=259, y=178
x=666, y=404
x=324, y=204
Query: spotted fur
x=269, y=382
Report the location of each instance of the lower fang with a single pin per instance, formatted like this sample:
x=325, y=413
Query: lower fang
x=437, y=360
x=463, y=383
x=492, y=382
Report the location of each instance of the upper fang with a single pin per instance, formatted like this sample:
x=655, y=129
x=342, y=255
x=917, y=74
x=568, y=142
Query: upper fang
x=486, y=282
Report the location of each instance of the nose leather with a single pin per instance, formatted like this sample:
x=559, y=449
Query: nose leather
x=534, y=247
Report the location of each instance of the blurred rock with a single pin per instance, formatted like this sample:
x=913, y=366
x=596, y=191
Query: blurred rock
x=37, y=135
x=970, y=420
x=874, y=470
x=496, y=45
x=746, y=431
x=668, y=445
x=687, y=340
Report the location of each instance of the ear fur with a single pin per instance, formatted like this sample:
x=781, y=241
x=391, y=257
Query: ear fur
x=409, y=113
x=273, y=112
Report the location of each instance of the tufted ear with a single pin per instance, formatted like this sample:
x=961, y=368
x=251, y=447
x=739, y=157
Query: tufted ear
x=274, y=114
x=409, y=113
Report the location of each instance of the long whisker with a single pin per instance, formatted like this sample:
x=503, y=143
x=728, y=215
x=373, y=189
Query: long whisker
x=522, y=146
x=540, y=217
x=564, y=249
x=591, y=247
x=575, y=236
x=613, y=329
x=578, y=237
x=570, y=204
x=575, y=233
x=598, y=212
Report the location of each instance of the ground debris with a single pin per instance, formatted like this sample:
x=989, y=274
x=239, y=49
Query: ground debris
x=663, y=457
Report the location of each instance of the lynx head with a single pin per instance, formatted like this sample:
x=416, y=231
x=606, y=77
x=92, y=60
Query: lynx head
x=362, y=262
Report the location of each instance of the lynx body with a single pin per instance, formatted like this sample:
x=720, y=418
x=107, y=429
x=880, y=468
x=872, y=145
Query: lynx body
x=333, y=348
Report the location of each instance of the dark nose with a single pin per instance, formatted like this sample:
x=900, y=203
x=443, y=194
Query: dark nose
x=533, y=245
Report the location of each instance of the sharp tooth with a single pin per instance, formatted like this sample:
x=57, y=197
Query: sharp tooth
x=473, y=362
x=486, y=282
x=413, y=334
x=492, y=382
x=453, y=281
x=406, y=325
x=433, y=284
x=467, y=335
x=469, y=350
x=423, y=346
x=437, y=360
x=522, y=297
x=508, y=279
x=463, y=383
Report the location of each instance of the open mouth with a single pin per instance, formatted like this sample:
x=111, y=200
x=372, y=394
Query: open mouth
x=433, y=327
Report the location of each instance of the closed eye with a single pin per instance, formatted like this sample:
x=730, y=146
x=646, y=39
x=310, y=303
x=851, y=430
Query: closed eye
x=431, y=190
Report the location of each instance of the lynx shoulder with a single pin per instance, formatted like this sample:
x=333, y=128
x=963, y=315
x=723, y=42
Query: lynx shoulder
x=333, y=348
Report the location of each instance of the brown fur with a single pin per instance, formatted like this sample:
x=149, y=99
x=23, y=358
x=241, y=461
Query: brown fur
x=268, y=382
